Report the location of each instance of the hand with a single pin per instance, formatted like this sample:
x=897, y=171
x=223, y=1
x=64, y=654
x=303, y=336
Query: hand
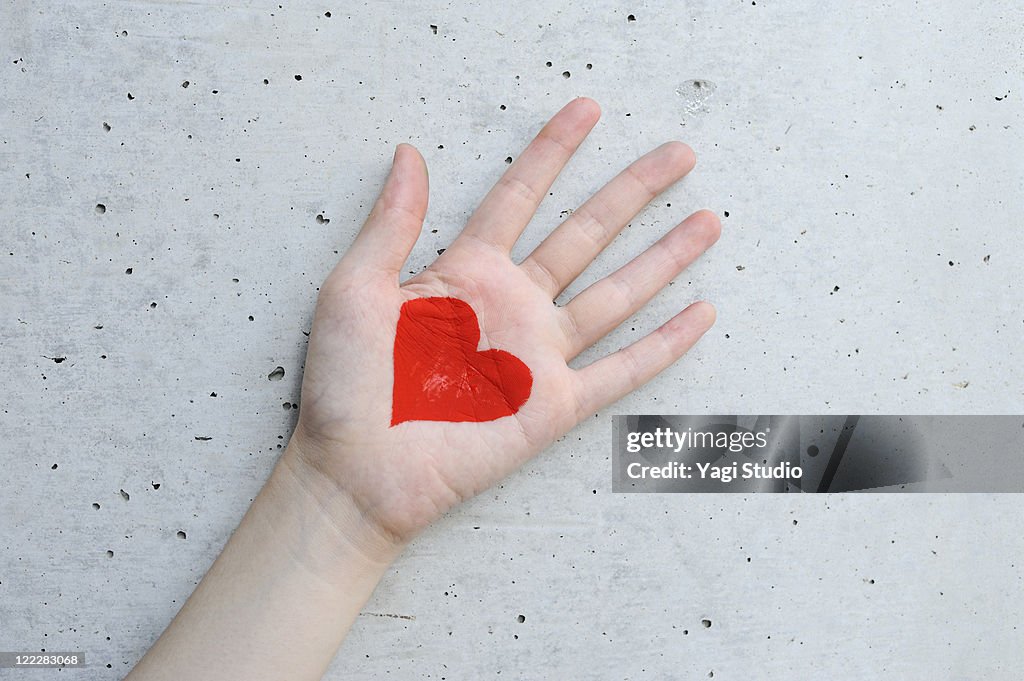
x=401, y=477
x=360, y=478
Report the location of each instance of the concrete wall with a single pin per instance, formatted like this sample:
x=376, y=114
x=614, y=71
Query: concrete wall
x=868, y=160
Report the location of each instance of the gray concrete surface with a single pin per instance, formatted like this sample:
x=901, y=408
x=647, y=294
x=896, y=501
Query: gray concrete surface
x=868, y=160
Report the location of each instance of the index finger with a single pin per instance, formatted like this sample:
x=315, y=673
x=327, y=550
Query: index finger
x=506, y=210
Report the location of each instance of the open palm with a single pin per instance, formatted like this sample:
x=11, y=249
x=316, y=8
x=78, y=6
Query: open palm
x=403, y=476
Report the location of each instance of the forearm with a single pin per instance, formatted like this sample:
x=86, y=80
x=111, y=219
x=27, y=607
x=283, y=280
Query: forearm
x=284, y=592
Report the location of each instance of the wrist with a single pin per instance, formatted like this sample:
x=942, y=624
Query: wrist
x=278, y=600
x=341, y=525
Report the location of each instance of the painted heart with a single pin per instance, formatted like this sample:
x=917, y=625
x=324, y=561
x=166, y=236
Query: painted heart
x=440, y=375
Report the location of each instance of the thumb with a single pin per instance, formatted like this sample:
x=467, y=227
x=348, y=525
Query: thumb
x=396, y=220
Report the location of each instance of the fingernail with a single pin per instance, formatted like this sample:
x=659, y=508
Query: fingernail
x=396, y=171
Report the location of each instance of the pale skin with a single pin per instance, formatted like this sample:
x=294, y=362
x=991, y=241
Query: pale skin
x=350, y=491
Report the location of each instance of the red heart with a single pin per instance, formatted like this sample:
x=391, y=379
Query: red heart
x=441, y=376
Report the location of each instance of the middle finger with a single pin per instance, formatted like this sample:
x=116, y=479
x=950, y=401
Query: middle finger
x=567, y=251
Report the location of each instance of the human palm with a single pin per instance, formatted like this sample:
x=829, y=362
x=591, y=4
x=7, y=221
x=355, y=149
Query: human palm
x=402, y=476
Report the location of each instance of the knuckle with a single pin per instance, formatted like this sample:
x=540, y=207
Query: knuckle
x=590, y=223
x=543, y=276
x=633, y=367
x=644, y=185
x=515, y=184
